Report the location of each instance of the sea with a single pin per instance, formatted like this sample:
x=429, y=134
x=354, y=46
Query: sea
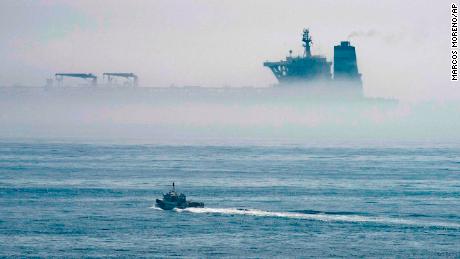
x=261, y=201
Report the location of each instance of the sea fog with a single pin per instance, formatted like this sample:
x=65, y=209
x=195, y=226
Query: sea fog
x=195, y=115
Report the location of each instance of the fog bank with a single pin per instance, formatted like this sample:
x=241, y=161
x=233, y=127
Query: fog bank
x=207, y=116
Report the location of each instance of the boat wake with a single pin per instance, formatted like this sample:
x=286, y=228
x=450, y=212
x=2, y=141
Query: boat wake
x=155, y=207
x=322, y=216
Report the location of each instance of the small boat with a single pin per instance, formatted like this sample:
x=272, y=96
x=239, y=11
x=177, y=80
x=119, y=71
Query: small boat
x=173, y=199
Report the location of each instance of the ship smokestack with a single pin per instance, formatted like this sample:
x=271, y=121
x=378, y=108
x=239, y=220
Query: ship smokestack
x=345, y=65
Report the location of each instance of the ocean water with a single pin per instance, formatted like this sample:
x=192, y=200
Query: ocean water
x=76, y=200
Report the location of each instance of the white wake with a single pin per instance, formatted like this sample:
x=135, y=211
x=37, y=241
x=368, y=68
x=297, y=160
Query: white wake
x=321, y=217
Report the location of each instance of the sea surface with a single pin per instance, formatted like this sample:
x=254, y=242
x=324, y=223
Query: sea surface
x=77, y=200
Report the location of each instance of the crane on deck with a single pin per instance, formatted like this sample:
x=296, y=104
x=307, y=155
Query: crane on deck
x=87, y=76
x=131, y=77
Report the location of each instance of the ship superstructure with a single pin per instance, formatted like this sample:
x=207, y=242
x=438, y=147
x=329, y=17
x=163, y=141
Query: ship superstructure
x=313, y=68
x=297, y=69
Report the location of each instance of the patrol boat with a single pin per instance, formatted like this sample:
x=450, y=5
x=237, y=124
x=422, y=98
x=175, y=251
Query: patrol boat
x=173, y=199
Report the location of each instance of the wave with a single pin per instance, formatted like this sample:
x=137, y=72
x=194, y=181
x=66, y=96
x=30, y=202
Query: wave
x=322, y=216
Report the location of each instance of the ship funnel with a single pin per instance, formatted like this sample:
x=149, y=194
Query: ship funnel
x=345, y=65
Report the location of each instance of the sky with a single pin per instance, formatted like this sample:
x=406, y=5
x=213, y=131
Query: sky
x=403, y=47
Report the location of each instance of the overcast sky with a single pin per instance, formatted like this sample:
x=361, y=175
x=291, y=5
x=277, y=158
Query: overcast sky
x=403, y=47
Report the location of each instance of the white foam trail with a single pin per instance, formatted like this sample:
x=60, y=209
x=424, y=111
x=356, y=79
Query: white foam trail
x=155, y=207
x=321, y=217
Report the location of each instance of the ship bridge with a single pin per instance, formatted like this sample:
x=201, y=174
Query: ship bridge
x=301, y=68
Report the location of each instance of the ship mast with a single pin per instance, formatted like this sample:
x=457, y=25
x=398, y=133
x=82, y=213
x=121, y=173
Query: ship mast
x=306, y=42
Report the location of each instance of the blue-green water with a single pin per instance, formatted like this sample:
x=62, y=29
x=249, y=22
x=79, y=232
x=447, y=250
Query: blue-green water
x=78, y=200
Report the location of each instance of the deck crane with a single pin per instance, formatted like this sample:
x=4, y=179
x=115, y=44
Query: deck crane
x=60, y=77
x=131, y=77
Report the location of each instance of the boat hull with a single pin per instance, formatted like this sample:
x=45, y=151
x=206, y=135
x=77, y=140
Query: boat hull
x=165, y=205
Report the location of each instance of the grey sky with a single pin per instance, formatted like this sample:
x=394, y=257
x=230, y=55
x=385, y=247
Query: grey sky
x=402, y=46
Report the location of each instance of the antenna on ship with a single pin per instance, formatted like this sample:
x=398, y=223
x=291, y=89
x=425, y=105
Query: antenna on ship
x=174, y=188
x=306, y=42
